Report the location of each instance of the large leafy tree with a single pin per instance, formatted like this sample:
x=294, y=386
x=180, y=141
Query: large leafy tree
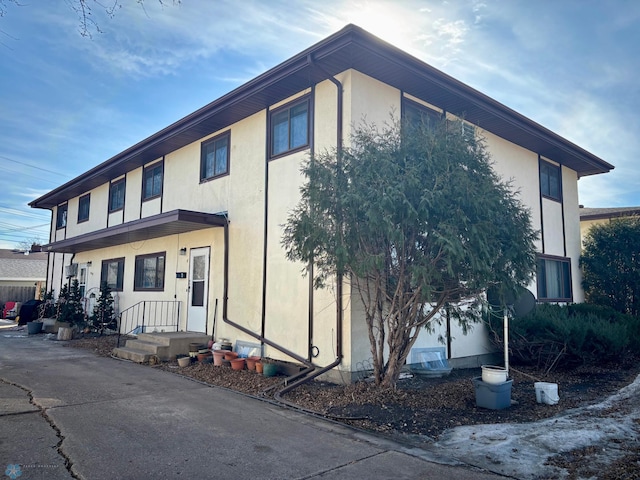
x=417, y=220
x=611, y=265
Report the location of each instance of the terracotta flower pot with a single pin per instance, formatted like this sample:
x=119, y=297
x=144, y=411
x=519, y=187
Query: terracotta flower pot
x=251, y=362
x=229, y=355
x=184, y=361
x=203, y=356
x=237, y=364
x=259, y=367
x=218, y=356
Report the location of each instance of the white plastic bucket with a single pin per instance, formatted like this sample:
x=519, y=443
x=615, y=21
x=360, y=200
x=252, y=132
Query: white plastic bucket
x=547, y=393
x=494, y=375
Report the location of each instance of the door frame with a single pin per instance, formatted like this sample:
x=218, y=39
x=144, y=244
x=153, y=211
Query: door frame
x=194, y=252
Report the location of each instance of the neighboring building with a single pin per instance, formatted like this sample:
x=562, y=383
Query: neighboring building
x=194, y=213
x=594, y=216
x=22, y=275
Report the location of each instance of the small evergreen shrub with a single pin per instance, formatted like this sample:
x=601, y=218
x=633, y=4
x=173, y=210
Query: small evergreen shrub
x=553, y=336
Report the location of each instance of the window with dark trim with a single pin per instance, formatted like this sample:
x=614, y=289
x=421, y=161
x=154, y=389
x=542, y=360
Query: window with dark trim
x=415, y=115
x=554, y=279
x=116, y=196
x=61, y=216
x=289, y=128
x=550, y=181
x=149, y=272
x=84, y=202
x=112, y=272
x=214, y=157
x=152, y=181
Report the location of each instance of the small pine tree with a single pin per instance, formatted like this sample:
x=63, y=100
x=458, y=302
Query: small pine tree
x=103, y=312
x=69, y=305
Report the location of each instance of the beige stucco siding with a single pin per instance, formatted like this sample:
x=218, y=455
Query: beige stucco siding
x=520, y=167
x=572, y=229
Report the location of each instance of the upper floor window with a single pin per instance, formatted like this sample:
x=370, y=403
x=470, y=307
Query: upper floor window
x=554, y=279
x=83, y=208
x=550, y=181
x=152, y=181
x=214, y=157
x=290, y=127
x=113, y=273
x=61, y=216
x=415, y=115
x=149, y=273
x=116, y=195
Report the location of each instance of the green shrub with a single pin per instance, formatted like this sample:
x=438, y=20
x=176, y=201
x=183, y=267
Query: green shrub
x=554, y=336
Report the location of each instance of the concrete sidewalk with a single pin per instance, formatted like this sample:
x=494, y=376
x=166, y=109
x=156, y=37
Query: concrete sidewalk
x=65, y=411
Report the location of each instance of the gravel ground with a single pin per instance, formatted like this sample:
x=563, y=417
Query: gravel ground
x=421, y=409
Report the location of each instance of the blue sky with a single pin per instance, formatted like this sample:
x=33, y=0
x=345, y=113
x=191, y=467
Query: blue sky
x=68, y=102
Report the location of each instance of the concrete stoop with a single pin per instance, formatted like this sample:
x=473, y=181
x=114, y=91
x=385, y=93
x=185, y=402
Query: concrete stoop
x=163, y=346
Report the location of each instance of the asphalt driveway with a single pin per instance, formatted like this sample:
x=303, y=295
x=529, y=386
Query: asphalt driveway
x=67, y=413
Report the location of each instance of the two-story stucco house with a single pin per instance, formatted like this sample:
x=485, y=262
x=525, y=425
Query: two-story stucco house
x=194, y=213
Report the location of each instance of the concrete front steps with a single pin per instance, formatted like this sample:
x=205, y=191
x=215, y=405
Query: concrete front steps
x=164, y=346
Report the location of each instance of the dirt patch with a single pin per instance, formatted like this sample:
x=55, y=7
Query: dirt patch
x=422, y=409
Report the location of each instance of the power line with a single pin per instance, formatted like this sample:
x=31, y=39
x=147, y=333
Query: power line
x=22, y=174
x=10, y=227
x=34, y=166
x=19, y=213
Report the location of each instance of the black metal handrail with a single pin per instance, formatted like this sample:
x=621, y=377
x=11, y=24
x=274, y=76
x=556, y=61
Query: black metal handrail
x=149, y=315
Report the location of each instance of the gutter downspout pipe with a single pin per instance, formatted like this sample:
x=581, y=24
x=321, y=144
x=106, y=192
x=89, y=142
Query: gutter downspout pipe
x=339, y=305
x=339, y=276
x=225, y=299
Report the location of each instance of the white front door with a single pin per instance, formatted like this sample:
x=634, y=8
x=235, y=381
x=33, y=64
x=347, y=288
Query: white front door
x=198, y=290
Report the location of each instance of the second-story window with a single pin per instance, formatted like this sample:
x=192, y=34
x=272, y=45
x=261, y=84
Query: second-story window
x=116, y=196
x=61, y=216
x=83, y=208
x=214, y=157
x=289, y=128
x=550, y=181
x=415, y=115
x=152, y=181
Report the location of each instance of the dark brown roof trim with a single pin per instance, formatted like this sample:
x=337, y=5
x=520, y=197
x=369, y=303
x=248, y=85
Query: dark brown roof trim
x=605, y=213
x=161, y=225
x=351, y=47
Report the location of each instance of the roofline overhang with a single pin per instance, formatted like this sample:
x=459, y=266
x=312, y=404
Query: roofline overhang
x=610, y=215
x=250, y=98
x=161, y=225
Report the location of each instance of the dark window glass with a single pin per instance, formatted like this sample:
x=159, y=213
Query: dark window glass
x=416, y=115
x=116, y=196
x=61, y=216
x=214, y=157
x=152, y=181
x=113, y=273
x=550, y=181
x=83, y=208
x=554, y=279
x=197, y=294
x=149, y=272
x=290, y=128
